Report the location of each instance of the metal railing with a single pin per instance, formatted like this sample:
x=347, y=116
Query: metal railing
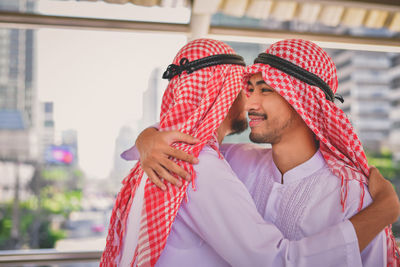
x=46, y=256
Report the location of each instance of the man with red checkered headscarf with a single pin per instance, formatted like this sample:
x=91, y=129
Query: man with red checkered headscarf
x=313, y=178
x=317, y=161
x=205, y=80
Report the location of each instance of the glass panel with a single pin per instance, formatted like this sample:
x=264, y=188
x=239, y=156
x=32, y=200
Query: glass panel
x=73, y=101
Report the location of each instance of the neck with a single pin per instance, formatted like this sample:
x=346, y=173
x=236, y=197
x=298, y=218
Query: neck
x=295, y=148
x=223, y=130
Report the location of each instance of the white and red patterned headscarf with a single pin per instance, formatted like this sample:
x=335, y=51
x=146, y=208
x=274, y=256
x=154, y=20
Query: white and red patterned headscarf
x=194, y=104
x=339, y=143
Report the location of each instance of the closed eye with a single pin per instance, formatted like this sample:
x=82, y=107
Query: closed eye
x=266, y=90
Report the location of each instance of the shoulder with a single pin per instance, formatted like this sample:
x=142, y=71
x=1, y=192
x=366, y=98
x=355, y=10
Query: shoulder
x=214, y=177
x=245, y=154
x=244, y=149
x=356, y=192
x=212, y=167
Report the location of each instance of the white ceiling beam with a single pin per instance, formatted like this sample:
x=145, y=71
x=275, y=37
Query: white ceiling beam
x=146, y=2
x=376, y=19
x=259, y=9
x=395, y=23
x=390, y=6
x=324, y=40
x=34, y=21
x=284, y=10
x=236, y=8
x=331, y=15
x=354, y=16
x=308, y=12
x=31, y=21
x=117, y=1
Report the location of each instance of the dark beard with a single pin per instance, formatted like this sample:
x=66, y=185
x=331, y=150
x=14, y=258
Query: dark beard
x=273, y=137
x=238, y=126
x=265, y=139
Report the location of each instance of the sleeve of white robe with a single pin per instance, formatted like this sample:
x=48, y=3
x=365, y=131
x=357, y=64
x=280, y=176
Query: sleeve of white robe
x=375, y=254
x=222, y=212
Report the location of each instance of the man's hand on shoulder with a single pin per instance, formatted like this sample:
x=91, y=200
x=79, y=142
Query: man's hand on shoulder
x=384, y=210
x=155, y=151
x=383, y=193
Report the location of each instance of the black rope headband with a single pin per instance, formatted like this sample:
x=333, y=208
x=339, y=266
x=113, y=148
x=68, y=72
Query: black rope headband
x=299, y=73
x=191, y=66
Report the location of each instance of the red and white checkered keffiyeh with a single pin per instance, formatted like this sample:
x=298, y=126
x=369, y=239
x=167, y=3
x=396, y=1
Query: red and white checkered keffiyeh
x=339, y=143
x=195, y=104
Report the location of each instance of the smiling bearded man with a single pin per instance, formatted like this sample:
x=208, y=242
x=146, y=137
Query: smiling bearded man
x=317, y=161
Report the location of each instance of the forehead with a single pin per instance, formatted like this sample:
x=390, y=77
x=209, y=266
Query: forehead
x=256, y=77
x=257, y=80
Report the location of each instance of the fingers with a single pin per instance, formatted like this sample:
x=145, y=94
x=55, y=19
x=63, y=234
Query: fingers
x=176, y=136
x=154, y=179
x=179, y=154
x=162, y=172
x=175, y=168
x=374, y=171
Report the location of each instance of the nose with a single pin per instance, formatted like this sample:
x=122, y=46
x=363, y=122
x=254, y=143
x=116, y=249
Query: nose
x=252, y=102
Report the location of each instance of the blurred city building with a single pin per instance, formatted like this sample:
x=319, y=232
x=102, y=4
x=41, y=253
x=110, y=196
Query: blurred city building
x=69, y=138
x=19, y=146
x=364, y=82
x=151, y=108
x=46, y=129
x=126, y=138
x=152, y=98
x=17, y=85
x=15, y=155
x=394, y=138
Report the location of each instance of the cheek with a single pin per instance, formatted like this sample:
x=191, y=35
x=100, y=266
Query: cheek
x=277, y=109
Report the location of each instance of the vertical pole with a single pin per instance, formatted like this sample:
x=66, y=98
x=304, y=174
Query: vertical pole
x=15, y=234
x=200, y=25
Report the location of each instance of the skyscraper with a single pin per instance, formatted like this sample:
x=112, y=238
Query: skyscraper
x=364, y=82
x=17, y=88
x=151, y=101
x=45, y=127
x=395, y=112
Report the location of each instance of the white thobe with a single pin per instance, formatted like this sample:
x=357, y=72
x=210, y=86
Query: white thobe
x=221, y=226
x=308, y=200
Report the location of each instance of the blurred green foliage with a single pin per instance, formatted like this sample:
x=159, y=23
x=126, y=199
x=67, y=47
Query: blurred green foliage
x=390, y=170
x=47, y=236
x=56, y=191
x=383, y=161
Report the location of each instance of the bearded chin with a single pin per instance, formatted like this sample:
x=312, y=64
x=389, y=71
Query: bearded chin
x=257, y=138
x=239, y=126
x=266, y=138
